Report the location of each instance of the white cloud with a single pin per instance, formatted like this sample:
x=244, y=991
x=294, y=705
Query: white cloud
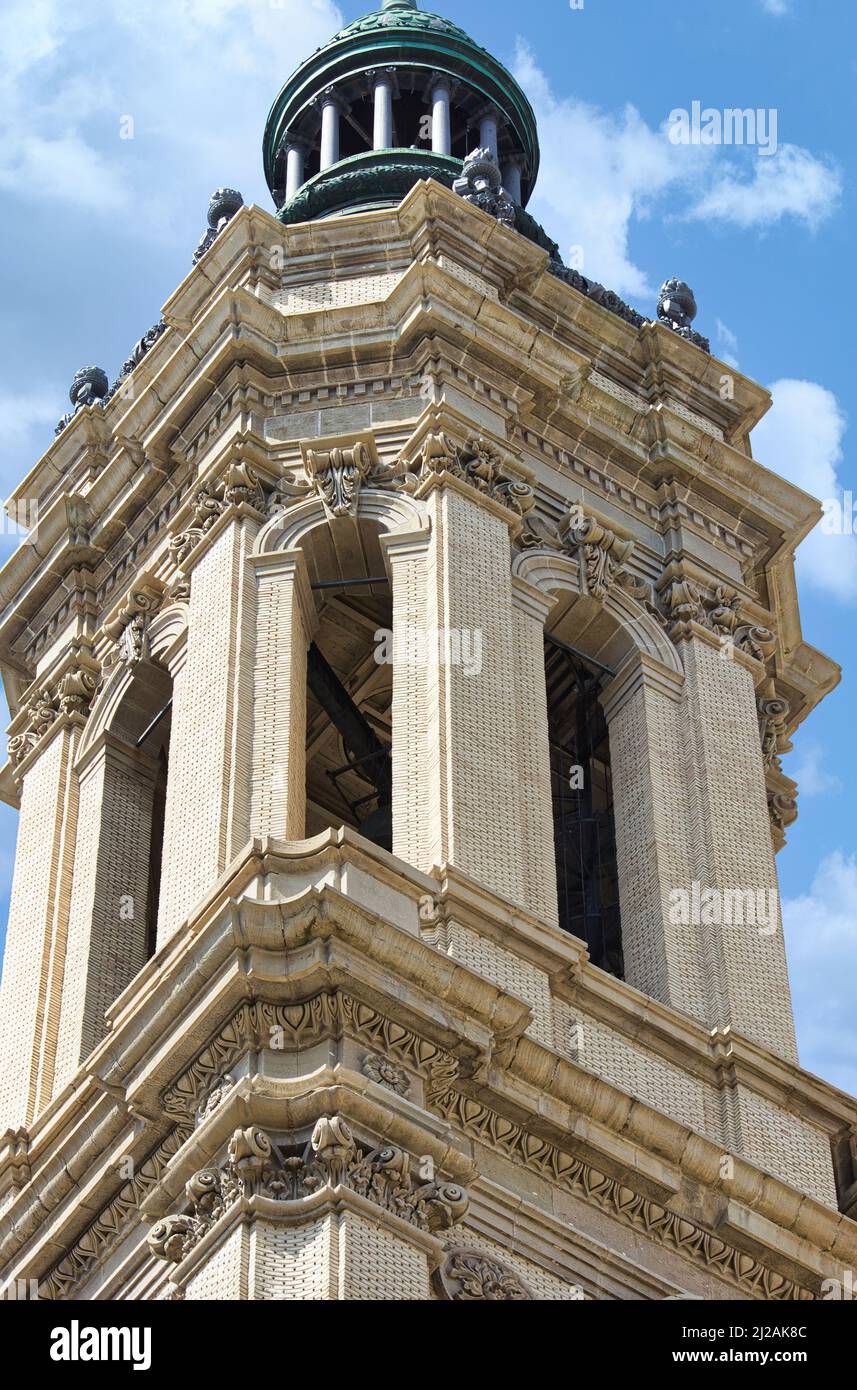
x=197, y=77
x=801, y=439
x=811, y=773
x=727, y=344
x=791, y=183
x=821, y=940
x=776, y=7
x=601, y=170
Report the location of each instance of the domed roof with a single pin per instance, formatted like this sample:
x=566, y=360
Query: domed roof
x=417, y=45
x=401, y=14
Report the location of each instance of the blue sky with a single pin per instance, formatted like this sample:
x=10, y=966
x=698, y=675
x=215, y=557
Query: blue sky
x=99, y=229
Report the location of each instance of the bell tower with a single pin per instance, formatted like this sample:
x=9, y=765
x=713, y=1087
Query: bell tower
x=399, y=679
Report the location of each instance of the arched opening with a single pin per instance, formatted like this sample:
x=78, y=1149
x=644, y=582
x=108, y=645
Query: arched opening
x=584, y=646
x=582, y=801
x=349, y=682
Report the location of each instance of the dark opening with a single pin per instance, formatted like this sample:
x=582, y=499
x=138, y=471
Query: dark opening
x=156, y=849
x=582, y=794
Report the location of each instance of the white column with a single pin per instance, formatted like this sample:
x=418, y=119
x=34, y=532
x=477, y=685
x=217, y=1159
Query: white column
x=488, y=132
x=441, y=128
x=383, y=131
x=330, y=131
x=294, y=170
x=512, y=179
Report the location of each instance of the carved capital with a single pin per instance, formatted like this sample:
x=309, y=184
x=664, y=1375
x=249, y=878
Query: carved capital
x=600, y=552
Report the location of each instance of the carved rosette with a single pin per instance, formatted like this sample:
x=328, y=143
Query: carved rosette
x=337, y=476
x=386, y=1073
x=332, y=1159
x=470, y=1276
x=600, y=552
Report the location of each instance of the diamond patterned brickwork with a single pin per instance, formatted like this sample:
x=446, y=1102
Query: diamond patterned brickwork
x=30, y=990
x=208, y=798
x=473, y=741
x=746, y=985
x=107, y=920
x=279, y=737
x=650, y=774
x=375, y=1263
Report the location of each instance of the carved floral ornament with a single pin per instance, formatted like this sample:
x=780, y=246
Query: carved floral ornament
x=468, y=1275
x=332, y=1159
x=70, y=695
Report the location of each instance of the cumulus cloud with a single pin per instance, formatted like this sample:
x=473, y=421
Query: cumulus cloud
x=801, y=438
x=791, y=183
x=196, y=78
x=821, y=933
x=601, y=170
x=809, y=769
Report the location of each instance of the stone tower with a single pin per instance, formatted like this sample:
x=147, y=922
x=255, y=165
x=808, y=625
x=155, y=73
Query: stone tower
x=399, y=673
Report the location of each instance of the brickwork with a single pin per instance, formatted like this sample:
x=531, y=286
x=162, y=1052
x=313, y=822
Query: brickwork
x=746, y=979
x=208, y=797
x=107, y=920
x=32, y=982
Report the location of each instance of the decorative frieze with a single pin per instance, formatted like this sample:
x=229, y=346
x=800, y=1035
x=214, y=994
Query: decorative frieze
x=667, y=1228
x=292, y=1026
x=111, y=1224
x=332, y=1159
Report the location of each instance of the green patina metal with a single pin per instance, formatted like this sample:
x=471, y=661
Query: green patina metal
x=376, y=176
x=401, y=34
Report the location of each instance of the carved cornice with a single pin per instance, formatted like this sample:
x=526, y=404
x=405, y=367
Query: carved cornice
x=478, y=1121
x=333, y=1158
x=298, y=1025
x=111, y=1223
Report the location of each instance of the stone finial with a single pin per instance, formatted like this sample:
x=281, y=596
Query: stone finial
x=222, y=207
x=677, y=310
x=89, y=386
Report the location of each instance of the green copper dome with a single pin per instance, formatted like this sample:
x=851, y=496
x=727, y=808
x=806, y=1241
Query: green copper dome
x=400, y=14
x=376, y=145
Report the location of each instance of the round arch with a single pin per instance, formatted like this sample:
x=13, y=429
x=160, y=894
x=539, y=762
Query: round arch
x=611, y=629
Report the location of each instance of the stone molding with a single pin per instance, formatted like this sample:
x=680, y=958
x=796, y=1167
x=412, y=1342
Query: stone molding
x=333, y=1159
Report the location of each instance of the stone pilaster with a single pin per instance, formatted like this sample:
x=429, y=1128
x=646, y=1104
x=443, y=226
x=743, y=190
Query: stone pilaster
x=208, y=798
x=286, y=621
x=107, y=936
x=747, y=985
x=463, y=808
x=651, y=772
x=538, y=860
x=33, y=963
